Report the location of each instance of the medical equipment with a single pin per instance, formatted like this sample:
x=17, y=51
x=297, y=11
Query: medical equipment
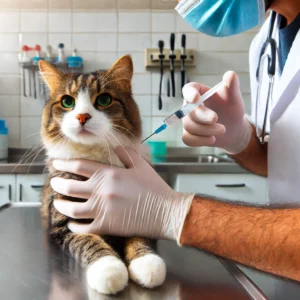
x=185, y=110
x=261, y=134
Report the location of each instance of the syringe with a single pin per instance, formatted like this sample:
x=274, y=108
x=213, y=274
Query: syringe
x=185, y=110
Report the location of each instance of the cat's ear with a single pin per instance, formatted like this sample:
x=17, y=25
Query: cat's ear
x=123, y=67
x=51, y=75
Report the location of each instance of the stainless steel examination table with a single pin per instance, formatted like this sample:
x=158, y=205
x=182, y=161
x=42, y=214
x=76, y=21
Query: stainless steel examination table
x=31, y=269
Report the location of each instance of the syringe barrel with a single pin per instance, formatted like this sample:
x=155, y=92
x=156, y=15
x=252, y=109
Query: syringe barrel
x=186, y=109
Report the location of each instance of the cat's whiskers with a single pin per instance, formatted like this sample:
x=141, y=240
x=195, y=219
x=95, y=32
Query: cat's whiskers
x=122, y=127
x=35, y=159
x=59, y=135
x=106, y=142
x=31, y=135
x=26, y=154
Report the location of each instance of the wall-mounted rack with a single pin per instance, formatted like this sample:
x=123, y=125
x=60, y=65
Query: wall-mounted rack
x=152, y=58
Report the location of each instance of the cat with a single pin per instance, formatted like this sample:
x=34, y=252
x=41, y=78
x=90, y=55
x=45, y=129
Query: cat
x=86, y=116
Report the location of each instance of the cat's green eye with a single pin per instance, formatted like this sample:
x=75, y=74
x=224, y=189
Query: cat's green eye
x=103, y=100
x=68, y=101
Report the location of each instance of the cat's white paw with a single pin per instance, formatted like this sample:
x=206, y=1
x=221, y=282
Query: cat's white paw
x=148, y=270
x=108, y=275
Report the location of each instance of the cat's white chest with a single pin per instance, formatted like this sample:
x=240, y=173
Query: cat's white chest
x=105, y=155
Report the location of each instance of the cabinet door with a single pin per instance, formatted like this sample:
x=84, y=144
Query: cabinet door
x=7, y=188
x=233, y=187
x=30, y=186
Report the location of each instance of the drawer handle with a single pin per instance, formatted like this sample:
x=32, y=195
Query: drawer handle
x=9, y=192
x=21, y=193
x=237, y=185
x=1, y=187
x=37, y=186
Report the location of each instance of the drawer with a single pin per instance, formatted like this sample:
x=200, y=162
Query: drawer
x=233, y=187
x=7, y=188
x=30, y=186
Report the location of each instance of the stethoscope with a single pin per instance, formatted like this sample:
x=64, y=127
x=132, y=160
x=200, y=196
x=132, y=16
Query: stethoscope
x=261, y=134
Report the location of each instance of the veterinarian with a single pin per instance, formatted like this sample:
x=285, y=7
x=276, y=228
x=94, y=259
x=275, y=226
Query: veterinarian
x=136, y=201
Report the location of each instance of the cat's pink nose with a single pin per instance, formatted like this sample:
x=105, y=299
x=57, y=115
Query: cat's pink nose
x=83, y=118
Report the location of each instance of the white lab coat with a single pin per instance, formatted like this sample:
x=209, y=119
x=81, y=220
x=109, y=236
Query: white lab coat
x=284, y=119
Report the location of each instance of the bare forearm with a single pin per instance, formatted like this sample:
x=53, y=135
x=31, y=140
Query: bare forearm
x=267, y=239
x=255, y=157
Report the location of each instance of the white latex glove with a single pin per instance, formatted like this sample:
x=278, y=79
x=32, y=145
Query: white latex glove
x=129, y=202
x=221, y=121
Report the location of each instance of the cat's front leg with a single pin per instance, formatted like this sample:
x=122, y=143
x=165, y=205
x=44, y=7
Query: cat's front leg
x=145, y=267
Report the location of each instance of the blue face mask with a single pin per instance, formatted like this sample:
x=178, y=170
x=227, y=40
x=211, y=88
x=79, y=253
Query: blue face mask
x=222, y=18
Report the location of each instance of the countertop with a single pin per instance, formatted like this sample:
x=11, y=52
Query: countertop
x=31, y=269
x=179, y=160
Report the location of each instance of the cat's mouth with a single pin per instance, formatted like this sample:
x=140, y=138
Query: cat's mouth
x=85, y=132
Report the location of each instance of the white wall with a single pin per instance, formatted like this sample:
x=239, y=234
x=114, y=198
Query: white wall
x=100, y=37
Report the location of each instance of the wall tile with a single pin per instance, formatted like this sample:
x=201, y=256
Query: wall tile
x=9, y=4
x=31, y=39
x=60, y=22
x=182, y=25
x=9, y=21
x=134, y=21
x=33, y=22
x=169, y=105
x=9, y=84
x=56, y=38
x=134, y=4
x=163, y=22
x=144, y=103
x=13, y=125
x=30, y=128
x=191, y=40
x=31, y=107
x=92, y=4
x=238, y=43
x=9, y=42
x=133, y=42
x=89, y=59
x=106, y=42
x=105, y=60
x=146, y=126
x=33, y=4
x=9, y=106
x=209, y=63
x=138, y=59
x=141, y=84
x=94, y=22
x=9, y=63
x=60, y=4
x=84, y=42
x=164, y=4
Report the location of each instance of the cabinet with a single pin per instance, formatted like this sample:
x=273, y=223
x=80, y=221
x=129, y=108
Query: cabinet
x=7, y=188
x=233, y=187
x=29, y=187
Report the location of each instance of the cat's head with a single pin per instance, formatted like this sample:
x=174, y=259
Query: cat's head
x=90, y=109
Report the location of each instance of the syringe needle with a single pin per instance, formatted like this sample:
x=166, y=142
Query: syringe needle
x=147, y=138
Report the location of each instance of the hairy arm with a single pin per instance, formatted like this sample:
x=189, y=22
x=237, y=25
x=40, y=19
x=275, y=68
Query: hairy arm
x=263, y=238
x=255, y=157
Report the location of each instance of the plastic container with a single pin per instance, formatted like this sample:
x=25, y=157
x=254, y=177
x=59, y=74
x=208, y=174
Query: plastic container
x=3, y=140
x=158, y=151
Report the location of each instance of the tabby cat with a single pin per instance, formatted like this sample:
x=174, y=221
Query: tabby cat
x=86, y=116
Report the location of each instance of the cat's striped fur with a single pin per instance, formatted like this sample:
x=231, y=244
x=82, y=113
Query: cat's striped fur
x=124, y=117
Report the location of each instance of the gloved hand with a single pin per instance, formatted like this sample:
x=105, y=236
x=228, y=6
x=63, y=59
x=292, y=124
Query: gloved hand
x=221, y=121
x=129, y=202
